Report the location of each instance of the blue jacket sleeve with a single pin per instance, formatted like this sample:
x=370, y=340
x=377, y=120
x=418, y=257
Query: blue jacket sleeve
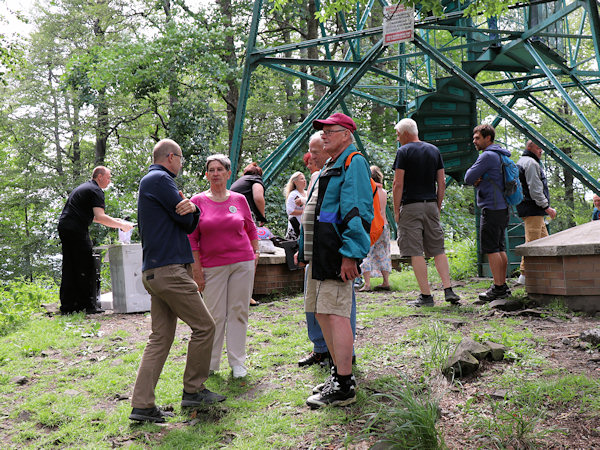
x=356, y=209
x=477, y=170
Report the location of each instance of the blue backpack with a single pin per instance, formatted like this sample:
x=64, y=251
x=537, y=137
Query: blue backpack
x=513, y=191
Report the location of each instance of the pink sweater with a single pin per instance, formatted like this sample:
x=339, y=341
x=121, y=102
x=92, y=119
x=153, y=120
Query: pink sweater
x=224, y=230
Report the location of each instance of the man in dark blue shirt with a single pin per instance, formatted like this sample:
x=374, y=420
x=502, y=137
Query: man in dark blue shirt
x=419, y=187
x=78, y=291
x=165, y=219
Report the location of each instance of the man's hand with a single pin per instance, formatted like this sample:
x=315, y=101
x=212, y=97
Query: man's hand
x=551, y=212
x=199, y=279
x=477, y=181
x=125, y=226
x=185, y=206
x=349, y=269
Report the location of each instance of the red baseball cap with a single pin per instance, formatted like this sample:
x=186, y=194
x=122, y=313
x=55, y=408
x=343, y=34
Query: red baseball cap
x=336, y=119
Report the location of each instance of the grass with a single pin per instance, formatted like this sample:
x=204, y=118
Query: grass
x=78, y=369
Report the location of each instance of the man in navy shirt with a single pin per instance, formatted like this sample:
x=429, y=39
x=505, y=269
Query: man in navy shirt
x=165, y=219
x=486, y=175
x=85, y=205
x=419, y=187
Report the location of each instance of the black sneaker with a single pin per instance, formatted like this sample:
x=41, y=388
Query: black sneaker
x=450, y=296
x=422, y=300
x=495, y=292
x=319, y=387
x=202, y=398
x=314, y=358
x=332, y=394
x=154, y=414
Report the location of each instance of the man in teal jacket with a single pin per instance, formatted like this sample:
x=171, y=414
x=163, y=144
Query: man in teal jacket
x=334, y=240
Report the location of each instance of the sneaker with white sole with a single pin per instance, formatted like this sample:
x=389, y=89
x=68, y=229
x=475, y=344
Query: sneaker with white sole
x=333, y=394
x=239, y=371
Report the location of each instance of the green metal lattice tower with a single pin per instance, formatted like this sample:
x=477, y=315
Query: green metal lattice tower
x=534, y=48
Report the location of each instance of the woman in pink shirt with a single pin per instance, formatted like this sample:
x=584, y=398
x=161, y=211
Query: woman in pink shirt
x=225, y=248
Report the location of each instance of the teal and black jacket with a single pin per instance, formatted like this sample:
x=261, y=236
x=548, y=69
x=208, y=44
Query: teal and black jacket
x=343, y=216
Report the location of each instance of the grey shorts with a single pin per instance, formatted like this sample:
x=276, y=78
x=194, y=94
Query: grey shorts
x=327, y=296
x=419, y=230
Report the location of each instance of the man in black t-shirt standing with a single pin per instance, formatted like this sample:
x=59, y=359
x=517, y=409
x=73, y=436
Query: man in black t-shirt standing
x=418, y=168
x=84, y=206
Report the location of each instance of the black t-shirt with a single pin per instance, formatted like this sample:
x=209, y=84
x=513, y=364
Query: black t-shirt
x=243, y=185
x=420, y=162
x=78, y=213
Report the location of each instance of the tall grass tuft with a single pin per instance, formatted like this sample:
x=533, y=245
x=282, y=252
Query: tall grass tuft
x=404, y=418
x=434, y=344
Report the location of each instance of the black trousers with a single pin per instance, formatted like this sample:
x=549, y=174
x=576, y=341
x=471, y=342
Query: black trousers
x=78, y=287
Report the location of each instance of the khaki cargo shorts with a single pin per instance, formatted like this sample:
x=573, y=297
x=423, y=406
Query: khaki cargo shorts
x=327, y=296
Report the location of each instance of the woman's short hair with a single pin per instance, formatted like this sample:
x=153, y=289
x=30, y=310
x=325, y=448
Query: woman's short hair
x=224, y=160
x=306, y=158
x=376, y=174
x=291, y=184
x=253, y=169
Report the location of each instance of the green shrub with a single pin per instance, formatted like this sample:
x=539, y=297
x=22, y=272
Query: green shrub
x=462, y=256
x=20, y=299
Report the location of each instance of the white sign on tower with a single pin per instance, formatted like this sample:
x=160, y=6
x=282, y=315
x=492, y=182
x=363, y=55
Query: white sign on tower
x=398, y=24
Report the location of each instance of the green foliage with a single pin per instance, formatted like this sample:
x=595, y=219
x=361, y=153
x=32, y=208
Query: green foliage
x=508, y=427
x=462, y=257
x=19, y=300
x=404, y=417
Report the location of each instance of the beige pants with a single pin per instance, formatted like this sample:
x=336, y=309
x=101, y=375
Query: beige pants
x=173, y=294
x=535, y=228
x=227, y=295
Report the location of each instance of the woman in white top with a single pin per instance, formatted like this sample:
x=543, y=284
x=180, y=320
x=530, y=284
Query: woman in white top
x=295, y=194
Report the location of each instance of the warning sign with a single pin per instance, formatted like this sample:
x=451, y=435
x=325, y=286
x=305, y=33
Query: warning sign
x=398, y=24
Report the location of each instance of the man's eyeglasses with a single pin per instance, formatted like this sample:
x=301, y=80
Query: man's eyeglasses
x=181, y=156
x=330, y=132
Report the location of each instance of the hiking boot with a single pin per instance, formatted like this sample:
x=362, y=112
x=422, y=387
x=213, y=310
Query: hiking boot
x=314, y=358
x=422, y=300
x=333, y=394
x=494, y=293
x=154, y=414
x=450, y=296
x=202, y=398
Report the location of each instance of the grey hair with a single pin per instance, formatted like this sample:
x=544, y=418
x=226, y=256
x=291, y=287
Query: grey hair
x=407, y=125
x=221, y=158
x=314, y=136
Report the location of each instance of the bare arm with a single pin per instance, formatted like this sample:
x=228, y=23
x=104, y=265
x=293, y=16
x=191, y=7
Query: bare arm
x=441, y=187
x=397, y=189
x=383, y=203
x=258, y=194
x=101, y=217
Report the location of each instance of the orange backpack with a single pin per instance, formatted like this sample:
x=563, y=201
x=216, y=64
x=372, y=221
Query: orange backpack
x=377, y=223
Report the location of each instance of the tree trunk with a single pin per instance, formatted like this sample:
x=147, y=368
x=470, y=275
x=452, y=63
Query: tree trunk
x=232, y=95
x=101, y=110
x=569, y=192
x=312, y=26
x=56, y=131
